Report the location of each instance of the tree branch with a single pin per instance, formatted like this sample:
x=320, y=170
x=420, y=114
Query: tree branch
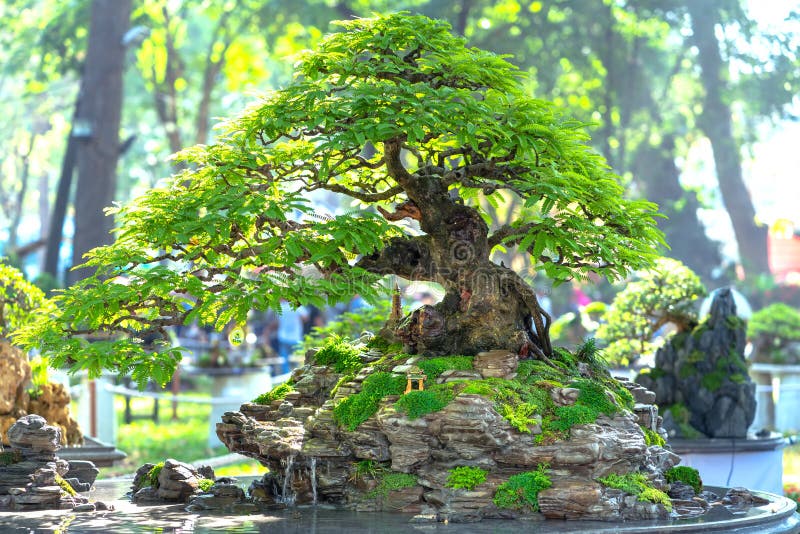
x=407, y=257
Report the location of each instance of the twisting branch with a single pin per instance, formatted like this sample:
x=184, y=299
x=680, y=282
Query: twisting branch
x=407, y=257
x=364, y=197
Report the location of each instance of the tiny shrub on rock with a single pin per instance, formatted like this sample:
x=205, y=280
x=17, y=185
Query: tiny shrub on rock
x=10, y=457
x=688, y=475
x=205, y=484
x=339, y=354
x=466, y=477
x=365, y=468
x=522, y=491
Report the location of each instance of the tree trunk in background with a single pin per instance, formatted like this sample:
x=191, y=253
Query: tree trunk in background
x=55, y=231
x=101, y=107
x=715, y=122
x=655, y=169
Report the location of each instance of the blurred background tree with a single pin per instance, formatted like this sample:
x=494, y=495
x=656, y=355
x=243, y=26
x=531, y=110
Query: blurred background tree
x=676, y=93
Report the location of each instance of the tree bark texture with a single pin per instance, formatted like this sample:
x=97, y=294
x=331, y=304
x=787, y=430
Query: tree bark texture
x=657, y=172
x=715, y=122
x=55, y=233
x=101, y=107
x=486, y=306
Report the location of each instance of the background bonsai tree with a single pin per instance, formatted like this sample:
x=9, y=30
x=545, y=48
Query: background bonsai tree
x=393, y=110
x=20, y=300
x=775, y=334
x=664, y=295
x=25, y=387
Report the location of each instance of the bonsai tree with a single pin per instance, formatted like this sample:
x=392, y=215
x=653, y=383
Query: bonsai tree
x=412, y=126
x=775, y=332
x=665, y=294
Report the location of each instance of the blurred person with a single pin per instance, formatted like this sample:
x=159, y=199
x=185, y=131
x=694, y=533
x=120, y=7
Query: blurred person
x=290, y=331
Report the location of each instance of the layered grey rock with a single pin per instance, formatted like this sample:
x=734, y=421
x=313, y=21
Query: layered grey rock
x=308, y=454
x=176, y=482
x=31, y=474
x=705, y=371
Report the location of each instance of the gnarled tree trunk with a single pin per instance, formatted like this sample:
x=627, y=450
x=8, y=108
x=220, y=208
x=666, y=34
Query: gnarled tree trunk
x=486, y=306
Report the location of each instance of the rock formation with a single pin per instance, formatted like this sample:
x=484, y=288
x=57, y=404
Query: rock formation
x=33, y=477
x=51, y=401
x=394, y=462
x=701, y=377
x=170, y=481
x=173, y=482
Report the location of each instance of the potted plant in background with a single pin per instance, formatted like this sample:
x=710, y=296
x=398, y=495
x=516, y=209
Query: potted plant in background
x=25, y=387
x=774, y=332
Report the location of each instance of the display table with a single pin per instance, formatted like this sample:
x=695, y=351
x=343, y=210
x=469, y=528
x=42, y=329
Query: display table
x=754, y=463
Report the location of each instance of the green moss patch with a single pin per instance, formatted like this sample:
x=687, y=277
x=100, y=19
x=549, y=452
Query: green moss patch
x=434, y=367
x=391, y=481
x=152, y=475
x=205, y=484
x=65, y=486
x=713, y=381
x=278, y=392
x=520, y=416
x=652, y=437
x=681, y=415
x=638, y=485
x=151, y=478
x=355, y=409
x=521, y=491
x=339, y=354
x=466, y=477
x=418, y=403
x=688, y=475
x=10, y=457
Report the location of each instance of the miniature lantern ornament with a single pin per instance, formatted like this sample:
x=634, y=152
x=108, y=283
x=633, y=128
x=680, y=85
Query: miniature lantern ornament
x=415, y=373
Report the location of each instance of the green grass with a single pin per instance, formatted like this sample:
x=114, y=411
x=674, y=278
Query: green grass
x=433, y=367
x=145, y=441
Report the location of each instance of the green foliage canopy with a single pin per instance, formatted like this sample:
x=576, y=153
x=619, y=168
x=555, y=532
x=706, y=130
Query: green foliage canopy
x=773, y=330
x=19, y=300
x=236, y=230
